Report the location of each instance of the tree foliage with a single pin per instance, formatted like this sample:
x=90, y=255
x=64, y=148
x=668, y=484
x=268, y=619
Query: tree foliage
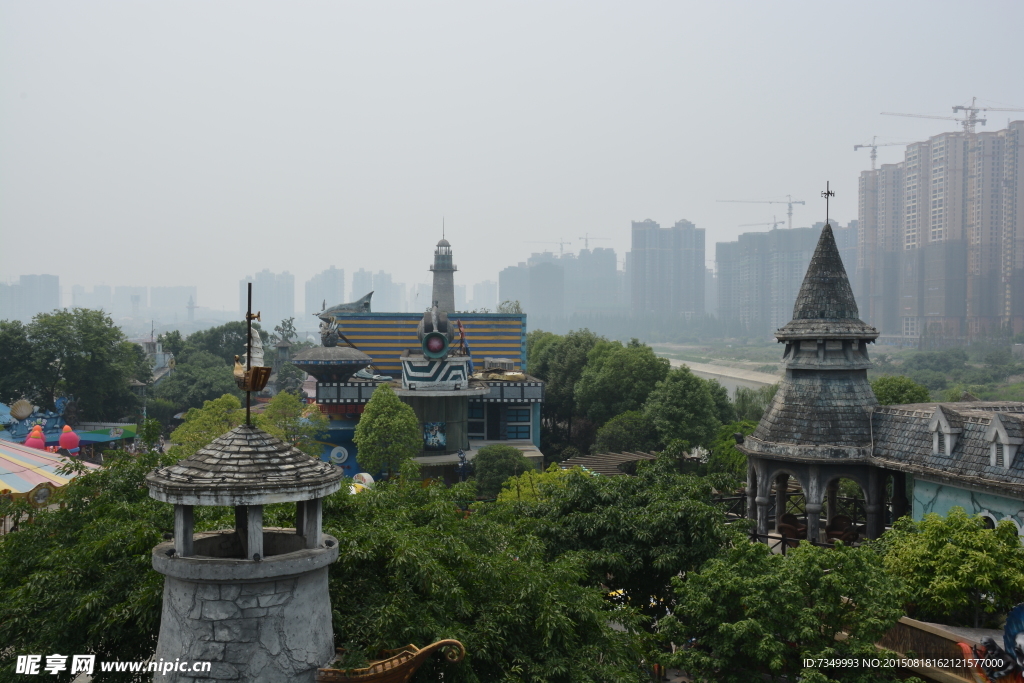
x=751, y=404
x=226, y=341
x=494, y=464
x=79, y=579
x=899, y=389
x=630, y=432
x=77, y=352
x=291, y=420
x=957, y=571
x=203, y=425
x=635, y=533
x=198, y=376
x=617, y=379
x=388, y=433
x=683, y=407
x=725, y=457
x=752, y=615
x=532, y=485
x=416, y=570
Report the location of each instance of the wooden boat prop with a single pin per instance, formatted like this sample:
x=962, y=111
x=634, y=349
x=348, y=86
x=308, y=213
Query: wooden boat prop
x=395, y=666
x=249, y=371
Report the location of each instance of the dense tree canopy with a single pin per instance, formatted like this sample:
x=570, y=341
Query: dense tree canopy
x=494, y=464
x=227, y=341
x=683, y=407
x=77, y=352
x=618, y=378
x=291, y=420
x=388, y=433
x=750, y=404
x=957, y=571
x=753, y=615
x=632, y=431
x=198, y=376
x=898, y=389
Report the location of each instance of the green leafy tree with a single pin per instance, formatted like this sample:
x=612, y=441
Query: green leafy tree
x=416, y=569
x=291, y=420
x=752, y=403
x=532, y=485
x=161, y=410
x=496, y=463
x=565, y=367
x=617, y=379
x=17, y=380
x=957, y=571
x=79, y=578
x=635, y=533
x=81, y=352
x=149, y=432
x=630, y=432
x=724, y=409
x=725, y=457
x=752, y=615
x=203, y=425
x=388, y=433
x=226, y=341
x=682, y=407
x=899, y=389
x=198, y=376
x=172, y=342
x=539, y=347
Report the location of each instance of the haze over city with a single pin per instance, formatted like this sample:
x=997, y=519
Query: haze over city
x=197, y=143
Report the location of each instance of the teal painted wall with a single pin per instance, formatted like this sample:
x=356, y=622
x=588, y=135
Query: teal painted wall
x=939, y=498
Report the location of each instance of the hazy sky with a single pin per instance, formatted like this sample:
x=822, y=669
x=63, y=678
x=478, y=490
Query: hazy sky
x=167, y=143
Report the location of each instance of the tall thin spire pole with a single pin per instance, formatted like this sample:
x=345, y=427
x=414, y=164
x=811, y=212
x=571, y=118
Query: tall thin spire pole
x=826, y=193
x=248, y=356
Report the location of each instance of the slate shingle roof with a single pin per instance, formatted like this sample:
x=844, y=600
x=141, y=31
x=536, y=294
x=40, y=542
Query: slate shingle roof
x=820, y=408
x=605, y=463
x=903, y=440
x=246, y=466
x=825, y=303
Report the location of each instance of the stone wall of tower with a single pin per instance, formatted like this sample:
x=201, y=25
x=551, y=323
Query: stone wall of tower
x=264, y=631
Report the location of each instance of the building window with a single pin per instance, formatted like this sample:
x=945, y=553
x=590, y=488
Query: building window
x=518, y=423
x=518, y=431
x=941, y=447
x=476, y=420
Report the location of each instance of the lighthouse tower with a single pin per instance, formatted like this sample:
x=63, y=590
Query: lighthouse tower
x=444, y=278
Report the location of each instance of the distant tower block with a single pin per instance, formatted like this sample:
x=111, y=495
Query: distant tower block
x=444, y=278
x=191, y=306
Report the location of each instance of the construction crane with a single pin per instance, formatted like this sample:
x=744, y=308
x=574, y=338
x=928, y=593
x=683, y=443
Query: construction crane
x=775, y=223
x=789, y=201
x=586, y=239
x=874, y=148
x=561, y=244
x=968, y=122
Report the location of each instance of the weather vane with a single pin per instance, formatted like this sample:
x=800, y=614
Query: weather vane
x=826, y=193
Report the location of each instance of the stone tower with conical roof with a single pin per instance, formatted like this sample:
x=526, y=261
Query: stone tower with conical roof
x=818, y=426
x=443, y=295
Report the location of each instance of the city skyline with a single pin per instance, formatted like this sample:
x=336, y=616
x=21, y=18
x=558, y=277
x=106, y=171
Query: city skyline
x=358, y=130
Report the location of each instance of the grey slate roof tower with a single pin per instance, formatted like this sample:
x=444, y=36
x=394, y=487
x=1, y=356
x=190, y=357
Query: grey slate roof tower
x=443, y=295
x=818, y=426
x=252, y=600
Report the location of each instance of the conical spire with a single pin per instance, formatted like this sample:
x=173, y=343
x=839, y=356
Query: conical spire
x=825, y=304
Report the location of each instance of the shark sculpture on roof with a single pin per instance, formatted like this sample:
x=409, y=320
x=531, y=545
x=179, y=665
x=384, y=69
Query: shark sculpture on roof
x=330, y=315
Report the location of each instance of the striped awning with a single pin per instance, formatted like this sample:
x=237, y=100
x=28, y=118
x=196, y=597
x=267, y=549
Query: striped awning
x=22, y=469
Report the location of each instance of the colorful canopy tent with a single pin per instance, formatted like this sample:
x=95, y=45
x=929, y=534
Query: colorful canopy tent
x=30, y=473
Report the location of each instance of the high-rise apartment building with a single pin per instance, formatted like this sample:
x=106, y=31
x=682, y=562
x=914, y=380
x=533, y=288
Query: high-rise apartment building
x=941, y=238
x=362, y=284
x=32, y=295
x=327, y=286
x=485, y=295
x=667, y=268
x=273, y=296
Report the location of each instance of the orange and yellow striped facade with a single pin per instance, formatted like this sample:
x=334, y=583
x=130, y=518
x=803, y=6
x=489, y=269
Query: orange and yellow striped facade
x=385, y=336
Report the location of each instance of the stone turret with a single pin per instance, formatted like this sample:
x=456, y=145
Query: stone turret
x=252, y=600
x=823, y=400
x=818, y=427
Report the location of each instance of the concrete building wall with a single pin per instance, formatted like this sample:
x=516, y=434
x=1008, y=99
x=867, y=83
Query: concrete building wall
x=938, y=498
